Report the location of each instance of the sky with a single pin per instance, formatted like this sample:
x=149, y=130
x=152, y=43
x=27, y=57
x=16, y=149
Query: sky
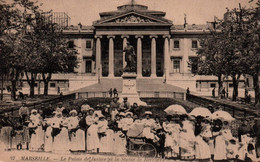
x=197, y=11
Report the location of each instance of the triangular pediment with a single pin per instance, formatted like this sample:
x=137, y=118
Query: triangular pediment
x=132, y=17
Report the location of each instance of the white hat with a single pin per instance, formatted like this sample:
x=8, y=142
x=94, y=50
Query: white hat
x=91, y=109
x=148, y=113
x=73, y=111
x=34, y=110
x=85, y=107
x=129, y=113
x=122, y=114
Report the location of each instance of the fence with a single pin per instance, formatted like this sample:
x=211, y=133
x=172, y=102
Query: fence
x=234, y=110
x=36, y=105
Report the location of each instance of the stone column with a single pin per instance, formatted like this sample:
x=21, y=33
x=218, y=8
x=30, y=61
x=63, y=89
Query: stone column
x=166, y=55
x=139, y=55
x=153, y=55
x=111, y=56
x=125, y=37
x=98, y=55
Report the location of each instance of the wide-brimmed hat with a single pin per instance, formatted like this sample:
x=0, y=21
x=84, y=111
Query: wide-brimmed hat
x=73, y=111
x=60, y=103
x=33, y=111
x=85, y=108
x=91, y=109
x=125, y=98
x=122, y=114
x=148, y=113
x=129, y=113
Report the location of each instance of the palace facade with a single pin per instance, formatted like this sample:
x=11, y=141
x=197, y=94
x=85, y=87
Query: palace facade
x=163, y=51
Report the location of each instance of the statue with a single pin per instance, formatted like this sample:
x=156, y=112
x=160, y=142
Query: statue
x=130, y=58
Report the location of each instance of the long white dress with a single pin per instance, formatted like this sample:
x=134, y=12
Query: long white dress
x=77, y=138
x=61, y=141
x=93, y=142
x=221, y=144
x=107, y=137
x=172, y=138
x=37, y=138
x=202, y=149
x=187, y=140
x=148, y=124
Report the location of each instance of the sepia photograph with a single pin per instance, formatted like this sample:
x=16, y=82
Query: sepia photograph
x=129, y=80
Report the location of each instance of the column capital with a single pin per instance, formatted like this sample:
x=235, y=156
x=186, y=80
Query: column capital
x=124, y=36
x=98, y=36
x=139, y=36
x=111, y=36
x=167, y=36
x=153, y=36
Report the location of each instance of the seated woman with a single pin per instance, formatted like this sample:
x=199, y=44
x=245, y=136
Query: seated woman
x=127, y=122
x=149, y=122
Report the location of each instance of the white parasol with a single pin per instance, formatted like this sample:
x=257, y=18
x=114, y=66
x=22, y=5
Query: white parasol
x=175, y=110
x=200, y=111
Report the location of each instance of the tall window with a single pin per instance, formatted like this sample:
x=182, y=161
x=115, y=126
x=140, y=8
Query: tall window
x=88, y=44
x=71, y=44
x=176, y=44
x=88, y=66
x=194, y=44
x=176, y=65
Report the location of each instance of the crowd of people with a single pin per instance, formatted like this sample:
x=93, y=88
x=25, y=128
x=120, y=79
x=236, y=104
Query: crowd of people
x=99, y=130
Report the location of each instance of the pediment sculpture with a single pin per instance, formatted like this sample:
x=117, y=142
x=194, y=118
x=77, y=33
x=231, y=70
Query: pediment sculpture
x=133, y=19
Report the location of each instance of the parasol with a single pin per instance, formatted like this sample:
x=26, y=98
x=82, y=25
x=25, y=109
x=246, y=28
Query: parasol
x=222, y=115
x=200, y=111
x=175, y=110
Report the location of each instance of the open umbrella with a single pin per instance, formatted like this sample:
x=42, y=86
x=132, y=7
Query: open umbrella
x=222, y=115
x=175, y=110
x=200, y=111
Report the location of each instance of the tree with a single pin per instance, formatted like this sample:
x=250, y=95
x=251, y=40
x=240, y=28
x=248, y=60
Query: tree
x=57, y=57
x=210, y=59
x=8, y=19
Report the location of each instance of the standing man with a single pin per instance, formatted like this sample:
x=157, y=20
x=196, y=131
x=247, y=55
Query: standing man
x=115, y=92
x=110, y=92
x=224, y=92
x=125, y=105
x=23, y=112
x=213, y=92
x=6, y=130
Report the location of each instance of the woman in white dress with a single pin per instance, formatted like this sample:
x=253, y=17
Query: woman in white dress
x=37, y=133
x=172, y=130
x=187, y=139
x=106, y=136
x=202, y=149
x=92, y=138
x=119, y=136
x=60, y=134
x=222, y=140
x=77, y=136
x=148, y=122
x=47, y=136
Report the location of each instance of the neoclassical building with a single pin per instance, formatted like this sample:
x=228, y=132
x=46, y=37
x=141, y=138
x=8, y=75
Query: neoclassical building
x=163, y=51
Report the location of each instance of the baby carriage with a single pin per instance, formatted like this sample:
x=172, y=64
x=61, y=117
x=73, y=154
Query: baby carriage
x=138, y=144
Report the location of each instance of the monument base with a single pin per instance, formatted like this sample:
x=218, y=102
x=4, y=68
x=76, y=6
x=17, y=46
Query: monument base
x=129, y=89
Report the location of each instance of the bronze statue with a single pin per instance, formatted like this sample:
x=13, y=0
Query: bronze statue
x=130, y=58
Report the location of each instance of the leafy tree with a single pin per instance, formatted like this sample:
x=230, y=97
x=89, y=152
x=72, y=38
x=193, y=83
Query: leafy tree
x=56, y=56
x=210, y=60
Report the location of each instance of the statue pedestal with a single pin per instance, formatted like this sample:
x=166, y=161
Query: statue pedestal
x=129, y=89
